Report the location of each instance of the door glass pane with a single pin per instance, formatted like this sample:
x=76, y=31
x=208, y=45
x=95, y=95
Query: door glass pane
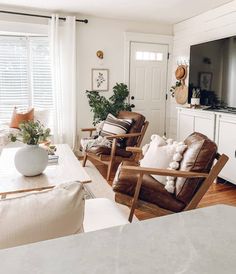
x=148, y=56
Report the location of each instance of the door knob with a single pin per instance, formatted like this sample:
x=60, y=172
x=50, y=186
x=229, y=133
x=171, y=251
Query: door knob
x=132, y=97
x=132, y=106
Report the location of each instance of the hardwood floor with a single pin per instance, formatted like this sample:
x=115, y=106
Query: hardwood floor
x=219, y=193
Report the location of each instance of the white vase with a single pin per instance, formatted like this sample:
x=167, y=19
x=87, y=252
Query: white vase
x=31, y=160
x=195, y=101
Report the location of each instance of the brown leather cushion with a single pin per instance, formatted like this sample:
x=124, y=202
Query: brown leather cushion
x=151, y=190
x=138, y=121
x=198, y=157
x=100, y=150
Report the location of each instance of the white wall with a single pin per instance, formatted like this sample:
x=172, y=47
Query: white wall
x=212, y=25
x=99, y=34
x=107, y=35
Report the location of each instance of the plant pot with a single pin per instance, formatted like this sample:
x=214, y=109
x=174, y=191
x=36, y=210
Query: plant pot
x=195, y=101
x=31, y=160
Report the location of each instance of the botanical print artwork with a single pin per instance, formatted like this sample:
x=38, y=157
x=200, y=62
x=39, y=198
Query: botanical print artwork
x=100, y=79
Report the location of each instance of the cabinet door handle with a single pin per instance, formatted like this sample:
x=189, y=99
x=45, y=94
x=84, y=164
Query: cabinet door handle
x=235, y=153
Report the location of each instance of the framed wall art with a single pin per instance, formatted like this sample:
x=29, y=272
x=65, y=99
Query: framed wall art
x=100, y=79
x=205, y=79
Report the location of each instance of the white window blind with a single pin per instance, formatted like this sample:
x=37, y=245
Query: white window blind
x=25, y=74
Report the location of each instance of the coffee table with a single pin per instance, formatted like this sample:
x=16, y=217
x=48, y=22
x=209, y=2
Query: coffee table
x=67, y=169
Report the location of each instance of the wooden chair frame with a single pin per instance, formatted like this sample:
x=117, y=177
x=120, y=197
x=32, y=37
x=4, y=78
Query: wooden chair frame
x=111, y=159
x=134, y=203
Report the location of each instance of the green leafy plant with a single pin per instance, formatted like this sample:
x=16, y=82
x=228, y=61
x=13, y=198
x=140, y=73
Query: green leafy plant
x=196, y=93
x=173, y=88
x=101, y=106
x=31, y=133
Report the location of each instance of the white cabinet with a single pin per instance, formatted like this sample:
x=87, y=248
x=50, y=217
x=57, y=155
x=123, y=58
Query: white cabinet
x=185, y=125
x=219, y=127
x=190, y=121
x=226, y=141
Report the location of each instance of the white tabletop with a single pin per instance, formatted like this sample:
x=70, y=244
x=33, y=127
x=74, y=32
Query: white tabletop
x=199, y=241
x=68, y=169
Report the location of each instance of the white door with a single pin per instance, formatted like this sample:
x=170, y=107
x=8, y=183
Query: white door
x=148, y=80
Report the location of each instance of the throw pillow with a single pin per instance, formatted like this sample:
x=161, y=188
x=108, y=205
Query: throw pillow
x=174, y=164
x=163, y=154
x=19, y=117
x=115, y=126
x=42, y=215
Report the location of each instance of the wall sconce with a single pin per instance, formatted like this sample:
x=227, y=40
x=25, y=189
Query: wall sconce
x=100, y=54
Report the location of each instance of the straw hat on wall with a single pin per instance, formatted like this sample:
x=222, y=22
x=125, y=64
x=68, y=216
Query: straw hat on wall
x=181, y=72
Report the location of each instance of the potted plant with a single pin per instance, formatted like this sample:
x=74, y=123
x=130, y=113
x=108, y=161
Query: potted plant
x=31, y=160
x=195, y=100
x=101, y=106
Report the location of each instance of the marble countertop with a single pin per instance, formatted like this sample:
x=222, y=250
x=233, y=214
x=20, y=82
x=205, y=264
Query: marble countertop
x=199, y=241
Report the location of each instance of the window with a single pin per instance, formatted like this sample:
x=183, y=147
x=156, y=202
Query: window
x=25, y=74
x=149, y=56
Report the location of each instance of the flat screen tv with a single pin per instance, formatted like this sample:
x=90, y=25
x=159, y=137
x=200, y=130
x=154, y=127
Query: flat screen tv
x=213, y=70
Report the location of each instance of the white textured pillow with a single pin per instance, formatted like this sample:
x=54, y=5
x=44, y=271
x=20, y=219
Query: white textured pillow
x=42, y=215
x=180, y=147
x=160, y=154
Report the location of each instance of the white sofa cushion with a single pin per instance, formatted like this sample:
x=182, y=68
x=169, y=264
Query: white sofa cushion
x=102, y=213
x=42, y=215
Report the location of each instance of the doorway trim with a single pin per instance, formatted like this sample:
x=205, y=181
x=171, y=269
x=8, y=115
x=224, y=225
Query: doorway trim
x=149, y=38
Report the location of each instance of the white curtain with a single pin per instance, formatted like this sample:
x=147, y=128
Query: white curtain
x=63, y=52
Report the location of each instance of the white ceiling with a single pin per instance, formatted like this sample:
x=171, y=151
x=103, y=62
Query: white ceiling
x=166, y=11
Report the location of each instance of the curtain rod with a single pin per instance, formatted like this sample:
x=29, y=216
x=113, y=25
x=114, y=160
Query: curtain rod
x=41, y=16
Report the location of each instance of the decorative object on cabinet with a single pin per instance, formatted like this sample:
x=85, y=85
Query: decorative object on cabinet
x=196, y=95
x=205, y=79
x=100, y=79
x=100, y=54
x=101, y=106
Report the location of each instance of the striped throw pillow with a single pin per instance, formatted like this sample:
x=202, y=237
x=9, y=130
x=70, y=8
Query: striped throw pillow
x=115, y=126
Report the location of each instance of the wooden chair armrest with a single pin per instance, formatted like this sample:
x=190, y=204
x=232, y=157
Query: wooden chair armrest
x=164, y=172
x=128, y=135
x=88, y=129
x=134, y=149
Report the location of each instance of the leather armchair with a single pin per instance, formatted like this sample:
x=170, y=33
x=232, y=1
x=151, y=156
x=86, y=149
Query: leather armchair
x=136, y=187
x=133, y=138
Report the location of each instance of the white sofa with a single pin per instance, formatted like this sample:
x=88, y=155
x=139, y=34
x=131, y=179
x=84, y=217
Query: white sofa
x=102, y=213
x=54, y=213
